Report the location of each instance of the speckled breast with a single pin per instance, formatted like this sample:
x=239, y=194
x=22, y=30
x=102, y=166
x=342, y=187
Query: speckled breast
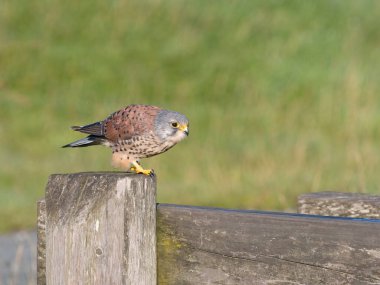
x=142, y=146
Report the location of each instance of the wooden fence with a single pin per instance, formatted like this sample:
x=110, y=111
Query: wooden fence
x=105, y=228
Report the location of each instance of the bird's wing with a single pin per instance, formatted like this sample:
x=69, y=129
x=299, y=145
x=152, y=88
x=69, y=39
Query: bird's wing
x=134, y=120
x=95, y=129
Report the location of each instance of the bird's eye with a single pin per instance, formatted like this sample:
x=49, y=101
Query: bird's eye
x=175, y=125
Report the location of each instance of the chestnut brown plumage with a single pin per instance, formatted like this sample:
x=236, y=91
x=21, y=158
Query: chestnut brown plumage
x=135, y=132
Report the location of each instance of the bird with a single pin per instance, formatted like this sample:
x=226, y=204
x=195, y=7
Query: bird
x=135, y=132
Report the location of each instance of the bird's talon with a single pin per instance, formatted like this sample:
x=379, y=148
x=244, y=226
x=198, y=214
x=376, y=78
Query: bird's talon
x=145, y=172
x=136, y=167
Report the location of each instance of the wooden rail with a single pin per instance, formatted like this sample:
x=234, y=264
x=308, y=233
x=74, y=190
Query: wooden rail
x=100, y=228
x=200, y=245
x=354, y=205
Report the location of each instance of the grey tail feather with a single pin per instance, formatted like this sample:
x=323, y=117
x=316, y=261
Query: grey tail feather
x=88, y=141
x=92, y=129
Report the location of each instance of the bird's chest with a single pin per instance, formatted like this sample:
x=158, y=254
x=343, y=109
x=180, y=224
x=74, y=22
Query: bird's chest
x=141, y=146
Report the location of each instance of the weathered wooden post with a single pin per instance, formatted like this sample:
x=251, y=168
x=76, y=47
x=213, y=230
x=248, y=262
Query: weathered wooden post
x=41, y=242
x=354, y=205
x=97, y=228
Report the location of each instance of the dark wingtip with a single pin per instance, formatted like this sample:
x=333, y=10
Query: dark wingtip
x=64, y=146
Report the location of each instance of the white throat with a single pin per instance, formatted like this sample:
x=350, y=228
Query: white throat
x=177, y=137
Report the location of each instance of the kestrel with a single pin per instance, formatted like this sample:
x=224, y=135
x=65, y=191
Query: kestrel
x=135, y=132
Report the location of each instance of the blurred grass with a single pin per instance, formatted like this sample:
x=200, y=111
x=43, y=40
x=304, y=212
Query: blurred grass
x=283, y=96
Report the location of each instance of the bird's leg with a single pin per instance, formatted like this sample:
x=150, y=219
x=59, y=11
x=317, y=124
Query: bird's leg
x=136, y=167
x=133, y=168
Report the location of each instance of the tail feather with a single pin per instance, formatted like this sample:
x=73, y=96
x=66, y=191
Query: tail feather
x=88, y=141
x=92, y=129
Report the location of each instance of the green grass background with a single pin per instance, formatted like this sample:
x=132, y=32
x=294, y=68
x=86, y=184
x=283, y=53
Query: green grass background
x=283, y=96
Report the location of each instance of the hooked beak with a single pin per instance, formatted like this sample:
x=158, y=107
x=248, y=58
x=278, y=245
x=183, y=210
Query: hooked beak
x=185, y=129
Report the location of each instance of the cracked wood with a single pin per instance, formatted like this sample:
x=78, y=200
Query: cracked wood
x=98, y=228
x=354, y=205
x=216, y=246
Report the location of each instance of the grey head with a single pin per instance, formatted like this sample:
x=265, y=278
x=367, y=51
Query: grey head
x=171, y=126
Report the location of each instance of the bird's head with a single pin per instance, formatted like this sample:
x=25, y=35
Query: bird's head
x=171, y=126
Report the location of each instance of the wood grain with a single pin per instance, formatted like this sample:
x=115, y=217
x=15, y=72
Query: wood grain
x=41, y=242
x=216, y=246
x=100, y=229
x=355, y=205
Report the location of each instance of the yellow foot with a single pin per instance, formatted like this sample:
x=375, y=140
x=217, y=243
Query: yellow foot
x=149, y=172
x=139, y=170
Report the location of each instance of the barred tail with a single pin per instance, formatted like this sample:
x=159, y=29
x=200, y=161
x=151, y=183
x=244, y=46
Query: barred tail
x=88, y=141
